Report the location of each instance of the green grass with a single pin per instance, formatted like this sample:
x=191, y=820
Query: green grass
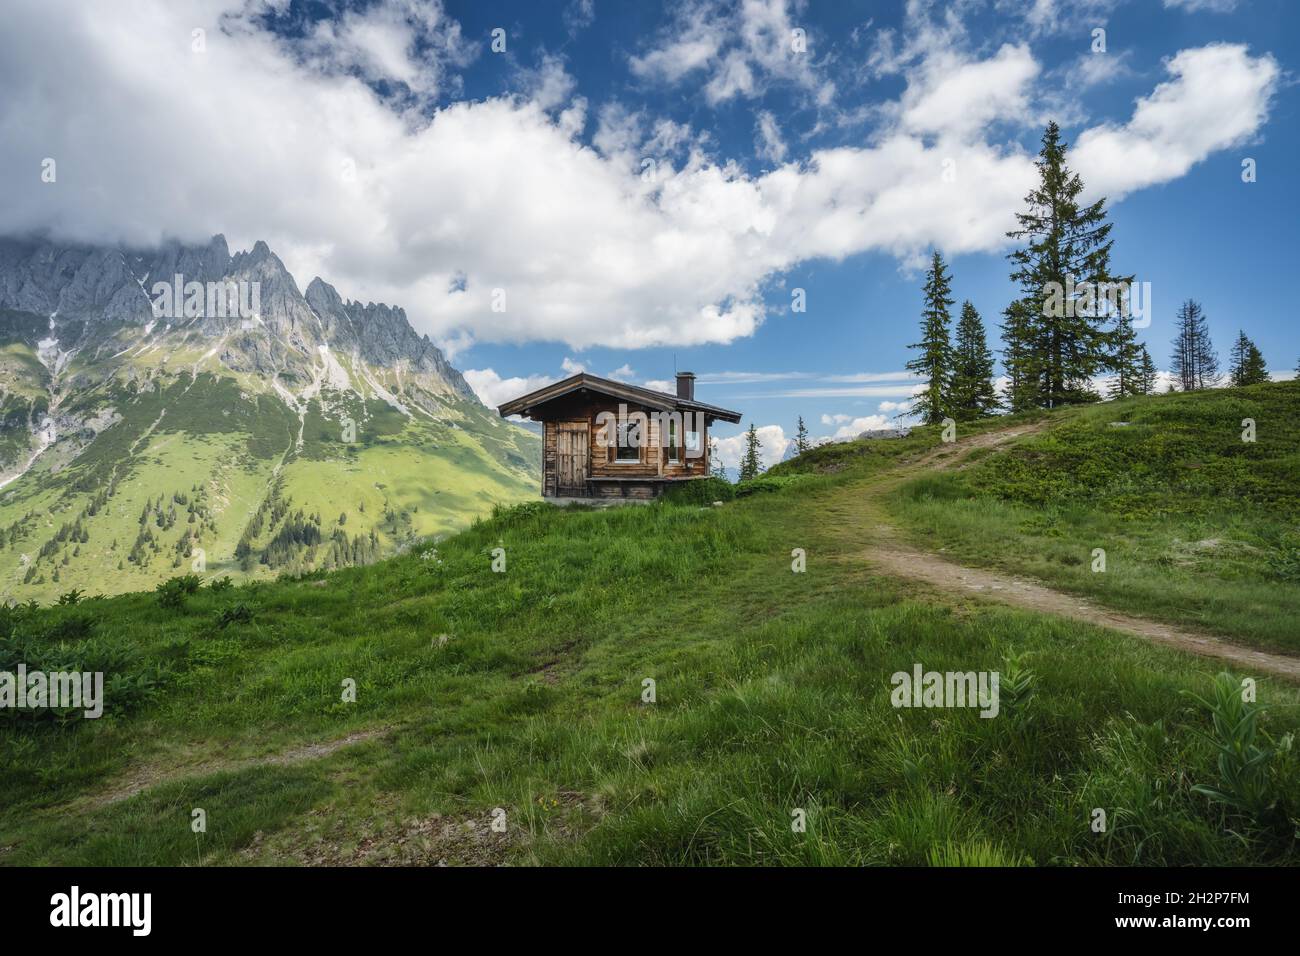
x=523, y=691
x=1198, y=527
x=404, y=478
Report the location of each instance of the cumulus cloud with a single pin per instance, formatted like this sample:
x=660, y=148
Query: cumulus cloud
x=492, y=220
x=853, y=427
x=1218, y=96
x=772, y=442
x=493, y=390
x=952, y=96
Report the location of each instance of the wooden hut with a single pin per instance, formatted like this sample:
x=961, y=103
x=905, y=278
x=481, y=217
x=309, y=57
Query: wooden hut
x=607, y=439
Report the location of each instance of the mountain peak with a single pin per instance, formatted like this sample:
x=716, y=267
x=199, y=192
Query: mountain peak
x=322, y=296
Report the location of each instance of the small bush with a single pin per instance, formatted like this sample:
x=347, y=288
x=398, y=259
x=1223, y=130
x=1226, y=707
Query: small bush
x=171, y=595
x=700, y=491
x=769, y=483
x=1247, y=783
x=221, y=584
x=189, y=583
x=238, y=614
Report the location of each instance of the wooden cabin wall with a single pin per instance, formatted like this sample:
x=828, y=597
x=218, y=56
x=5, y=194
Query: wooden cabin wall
x=653, y=462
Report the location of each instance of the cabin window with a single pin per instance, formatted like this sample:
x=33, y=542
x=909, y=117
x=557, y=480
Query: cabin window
x=627, y=448
x=674, y=454
x=693, y=444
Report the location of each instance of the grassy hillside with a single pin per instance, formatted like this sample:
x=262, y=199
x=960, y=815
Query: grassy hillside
x=182, y=466
x=524, y=690
x=1198, y=526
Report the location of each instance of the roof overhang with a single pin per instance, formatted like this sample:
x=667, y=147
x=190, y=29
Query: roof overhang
x=526, y=405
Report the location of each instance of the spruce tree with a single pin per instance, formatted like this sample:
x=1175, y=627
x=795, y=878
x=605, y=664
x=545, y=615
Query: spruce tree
x=971, y=394
x=1066, y=245
x=1195, y=363
x=1246, y=364
x=1256, y=368
x=1020, y=357
x=749, y=466
x=801, y=443
x=934, y=364
x=1147, y=375
x=1237, y=358
x=1126, y=359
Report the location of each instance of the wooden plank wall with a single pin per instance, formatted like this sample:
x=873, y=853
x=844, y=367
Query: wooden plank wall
x=653, y=461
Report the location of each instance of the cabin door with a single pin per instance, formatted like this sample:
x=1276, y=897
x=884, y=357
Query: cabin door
x=571, y=459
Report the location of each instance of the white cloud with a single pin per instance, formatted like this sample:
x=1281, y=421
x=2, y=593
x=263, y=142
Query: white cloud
x=1211, y=6
x=894, y=406
x=410, y=42
x=769, y=142
x=1095, y=69
x=1059, y=16
x=733, y=378
x=253, y=139
x=772, y=442
x=950, y=95
x=856, y=426
x=571, y=367
x=903, y=390
x=1218, y=97
x=740, y=48
x=493, y=390
x=579, y=15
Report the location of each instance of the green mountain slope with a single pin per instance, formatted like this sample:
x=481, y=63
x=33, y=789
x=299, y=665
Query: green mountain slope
x=520, y=695
x=133, y=446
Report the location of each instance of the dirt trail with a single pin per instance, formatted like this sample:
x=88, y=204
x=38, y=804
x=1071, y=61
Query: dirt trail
x=892, y=555
x=142, y=778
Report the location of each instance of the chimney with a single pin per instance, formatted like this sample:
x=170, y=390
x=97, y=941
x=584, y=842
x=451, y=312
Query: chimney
x=686, y=385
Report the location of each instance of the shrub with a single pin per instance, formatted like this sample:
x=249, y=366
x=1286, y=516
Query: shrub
x=171, y=595
x=238, y=614
x=1246, y=783
x=189, y=583
x=221, y=584
x=769, y=483
x=128, y=679
x=700, y=491
x=520, y=513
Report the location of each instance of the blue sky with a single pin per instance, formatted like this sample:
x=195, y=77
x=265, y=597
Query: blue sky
x=820, y=167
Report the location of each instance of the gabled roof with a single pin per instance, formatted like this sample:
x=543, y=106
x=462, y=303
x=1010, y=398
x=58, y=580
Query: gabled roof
x=635, y=394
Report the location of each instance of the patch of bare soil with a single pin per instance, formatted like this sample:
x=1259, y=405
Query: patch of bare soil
x=935, y=571
x=334, y=836
x=435, y=840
